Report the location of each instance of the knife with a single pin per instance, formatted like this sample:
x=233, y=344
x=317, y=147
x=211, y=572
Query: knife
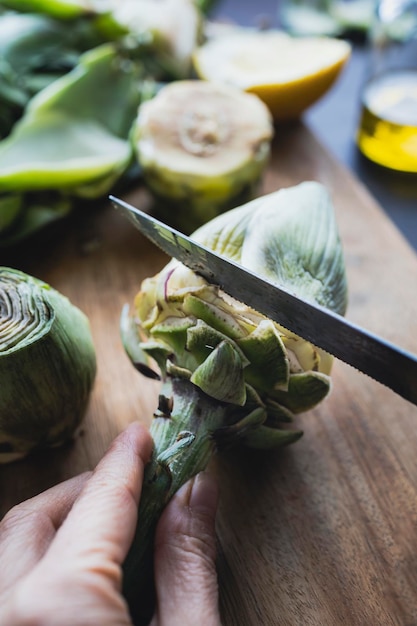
x=372, y=355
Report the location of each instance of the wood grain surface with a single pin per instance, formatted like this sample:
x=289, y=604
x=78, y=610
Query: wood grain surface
x=323, y=533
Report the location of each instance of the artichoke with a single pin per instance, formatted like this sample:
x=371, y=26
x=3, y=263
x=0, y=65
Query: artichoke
x=47, y=365
x=202, y=148
x=228, y=374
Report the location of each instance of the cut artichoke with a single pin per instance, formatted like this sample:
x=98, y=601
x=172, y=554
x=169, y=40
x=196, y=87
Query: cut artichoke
x=202, y=148
x=47, y=365
x=230, y=375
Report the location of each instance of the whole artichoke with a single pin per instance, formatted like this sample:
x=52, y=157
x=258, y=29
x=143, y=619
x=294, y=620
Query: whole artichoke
x=47, y=365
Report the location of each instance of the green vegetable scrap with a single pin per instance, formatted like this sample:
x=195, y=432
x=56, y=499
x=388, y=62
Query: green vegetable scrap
x=229, y=375
x=72, y=142
x=35, y=50
x=47, y=365
x=60, y=9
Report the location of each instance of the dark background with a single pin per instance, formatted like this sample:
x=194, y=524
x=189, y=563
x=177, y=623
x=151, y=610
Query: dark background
x=335, y=117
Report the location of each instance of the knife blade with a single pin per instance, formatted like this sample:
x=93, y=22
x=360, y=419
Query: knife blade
x=372, y=355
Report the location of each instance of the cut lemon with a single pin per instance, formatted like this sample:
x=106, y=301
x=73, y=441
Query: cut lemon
x=288, y=73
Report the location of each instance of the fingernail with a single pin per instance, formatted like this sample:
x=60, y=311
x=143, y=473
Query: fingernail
x=204, y=493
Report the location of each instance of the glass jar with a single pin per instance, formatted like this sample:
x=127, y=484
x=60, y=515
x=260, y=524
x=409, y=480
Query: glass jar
x=387, y=132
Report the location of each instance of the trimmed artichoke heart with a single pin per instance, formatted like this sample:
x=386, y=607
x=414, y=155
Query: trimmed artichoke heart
x=47, y=365
x=203, y=148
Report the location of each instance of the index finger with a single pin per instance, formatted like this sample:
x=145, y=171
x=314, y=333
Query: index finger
x=102, y=521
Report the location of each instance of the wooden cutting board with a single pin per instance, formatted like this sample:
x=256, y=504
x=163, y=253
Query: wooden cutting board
x=324, y=532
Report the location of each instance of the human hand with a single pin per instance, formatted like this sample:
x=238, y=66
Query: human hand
x=61, y=552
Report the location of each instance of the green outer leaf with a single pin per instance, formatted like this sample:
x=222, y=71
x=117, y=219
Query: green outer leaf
x=267, y=356
x=30, y=41
x=277, y=413
x=293, y=240
x=133, y=347
x=221, y=375
x=60, y=9
x=265, y=438
x=34, y=215
x=289, y=236
x=202, y=339
x=173, y=331
x=212, y=315
x=225, y=234
x=75, y=133
x=55, y=152
x=105, y=81
x=305, y=390
x=47, y=363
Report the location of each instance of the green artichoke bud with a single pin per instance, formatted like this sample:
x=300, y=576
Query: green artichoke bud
x=289, y=237
x=230, y=375
x=47, y=365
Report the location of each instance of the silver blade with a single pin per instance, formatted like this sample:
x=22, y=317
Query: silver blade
x=385, y=362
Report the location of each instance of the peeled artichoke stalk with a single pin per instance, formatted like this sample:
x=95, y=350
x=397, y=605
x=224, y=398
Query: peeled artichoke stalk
x=202, y=148
x=47, y=365
x=230, y=375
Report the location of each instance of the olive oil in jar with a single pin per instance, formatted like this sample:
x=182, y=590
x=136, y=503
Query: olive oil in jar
x=388, y=128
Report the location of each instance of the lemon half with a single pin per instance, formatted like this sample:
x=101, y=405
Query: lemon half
x=288, y=73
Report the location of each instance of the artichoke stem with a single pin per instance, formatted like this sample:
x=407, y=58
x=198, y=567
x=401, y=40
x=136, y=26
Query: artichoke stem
x=183, y=447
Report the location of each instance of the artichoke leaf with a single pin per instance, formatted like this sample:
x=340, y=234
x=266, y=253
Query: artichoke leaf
x=59, y=9
x=305, y=390
x=230, y=435
x=133, y=347
x=61, y=144
x=36, y=50
x=158, y=351
x=173, y=331
x=266, y=352
x=294, y=241
x=55, y=152
x=266, y=438
x=105, y=81
x=221, y=375
x=220, y=319
x=35, y=213
x=225, y=233
x=202, y=339
x=277, y=413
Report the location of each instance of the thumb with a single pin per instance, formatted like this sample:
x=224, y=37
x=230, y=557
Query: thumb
x=185, y=552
